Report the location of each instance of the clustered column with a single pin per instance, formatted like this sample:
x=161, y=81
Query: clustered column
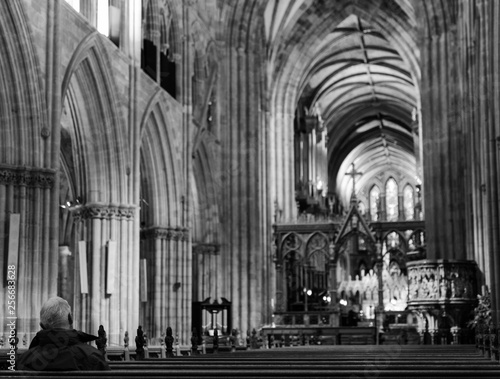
x=169, y=282
x=111, y=303
x=26, y=191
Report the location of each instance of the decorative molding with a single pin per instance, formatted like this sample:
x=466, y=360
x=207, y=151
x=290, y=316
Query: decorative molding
x=45, y=133
x=27, y=176
x=103, y=211
x=434, y=282
x=206, y=248
x=167, y=233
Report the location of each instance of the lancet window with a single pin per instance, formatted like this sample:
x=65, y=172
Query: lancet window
x=409, y=203
x=391, y=195
x=375, y=203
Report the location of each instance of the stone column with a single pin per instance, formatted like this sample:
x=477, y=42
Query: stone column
x=443, y=142
x=247, y=212
x=88, y=8
x=169, y=280
x=26, y=191
x=282, y=173
x=460, y=134
x=131, y=29
x=101, y=223
x=306, y=173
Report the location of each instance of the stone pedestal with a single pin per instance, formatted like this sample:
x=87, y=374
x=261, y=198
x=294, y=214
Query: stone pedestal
x=443, y=293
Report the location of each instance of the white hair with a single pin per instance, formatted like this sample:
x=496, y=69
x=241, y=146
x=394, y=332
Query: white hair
x=54, y=313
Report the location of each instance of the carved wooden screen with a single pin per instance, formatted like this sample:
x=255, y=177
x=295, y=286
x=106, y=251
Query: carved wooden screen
x=317, y=271
x=293, y=271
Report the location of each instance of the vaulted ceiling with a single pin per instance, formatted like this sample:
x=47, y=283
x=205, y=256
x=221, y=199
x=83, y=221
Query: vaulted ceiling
x=361, y=75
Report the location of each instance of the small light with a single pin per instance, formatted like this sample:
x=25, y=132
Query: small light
x=68, y=204
x=309, y=292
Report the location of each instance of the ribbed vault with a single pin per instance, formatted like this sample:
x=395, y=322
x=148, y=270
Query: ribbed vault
x=354, y=65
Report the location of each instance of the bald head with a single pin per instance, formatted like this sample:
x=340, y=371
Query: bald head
x=56, y=313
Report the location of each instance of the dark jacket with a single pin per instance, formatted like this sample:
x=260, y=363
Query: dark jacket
x=62, y=350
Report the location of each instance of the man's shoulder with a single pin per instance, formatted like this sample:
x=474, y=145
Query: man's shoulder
x=94, y=359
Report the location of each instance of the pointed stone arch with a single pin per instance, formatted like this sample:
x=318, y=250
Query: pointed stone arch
x=291, y=242
x=23, y=110
x=27, y=176
x=165, y=234
x=207, y=228
x=96, y=124
x=208, y=182
x=316, y=238
x=102, y=164
x=162, y=178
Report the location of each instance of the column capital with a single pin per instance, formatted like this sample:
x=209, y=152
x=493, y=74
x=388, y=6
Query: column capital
x=26, y=176
x=104, y=211
x=64, y=251
x=206, y=248
x=166, y=233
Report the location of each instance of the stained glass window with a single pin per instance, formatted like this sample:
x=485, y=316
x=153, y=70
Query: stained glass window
x=408, y=202
x=391, y=199
x=374, y=203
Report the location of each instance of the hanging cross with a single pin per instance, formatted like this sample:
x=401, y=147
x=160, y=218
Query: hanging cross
x=354, y=173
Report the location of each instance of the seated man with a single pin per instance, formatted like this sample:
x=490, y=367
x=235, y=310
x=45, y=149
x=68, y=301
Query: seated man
x=59, y=347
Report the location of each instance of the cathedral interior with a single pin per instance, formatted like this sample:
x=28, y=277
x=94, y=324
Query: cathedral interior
x=250, y=164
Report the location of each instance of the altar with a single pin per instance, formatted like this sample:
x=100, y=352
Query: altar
x=318, y=335
x=343, y=280
x=348, y=280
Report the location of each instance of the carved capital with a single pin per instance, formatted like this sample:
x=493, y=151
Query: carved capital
x=26, y=176
x=241, y=51
x=102, y=211
x=166, y=233
x=206, y=248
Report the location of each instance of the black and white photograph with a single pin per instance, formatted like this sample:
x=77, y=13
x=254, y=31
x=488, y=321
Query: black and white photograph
x=250, y=189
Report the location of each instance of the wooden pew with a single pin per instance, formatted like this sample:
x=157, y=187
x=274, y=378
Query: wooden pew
x=409, y=361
